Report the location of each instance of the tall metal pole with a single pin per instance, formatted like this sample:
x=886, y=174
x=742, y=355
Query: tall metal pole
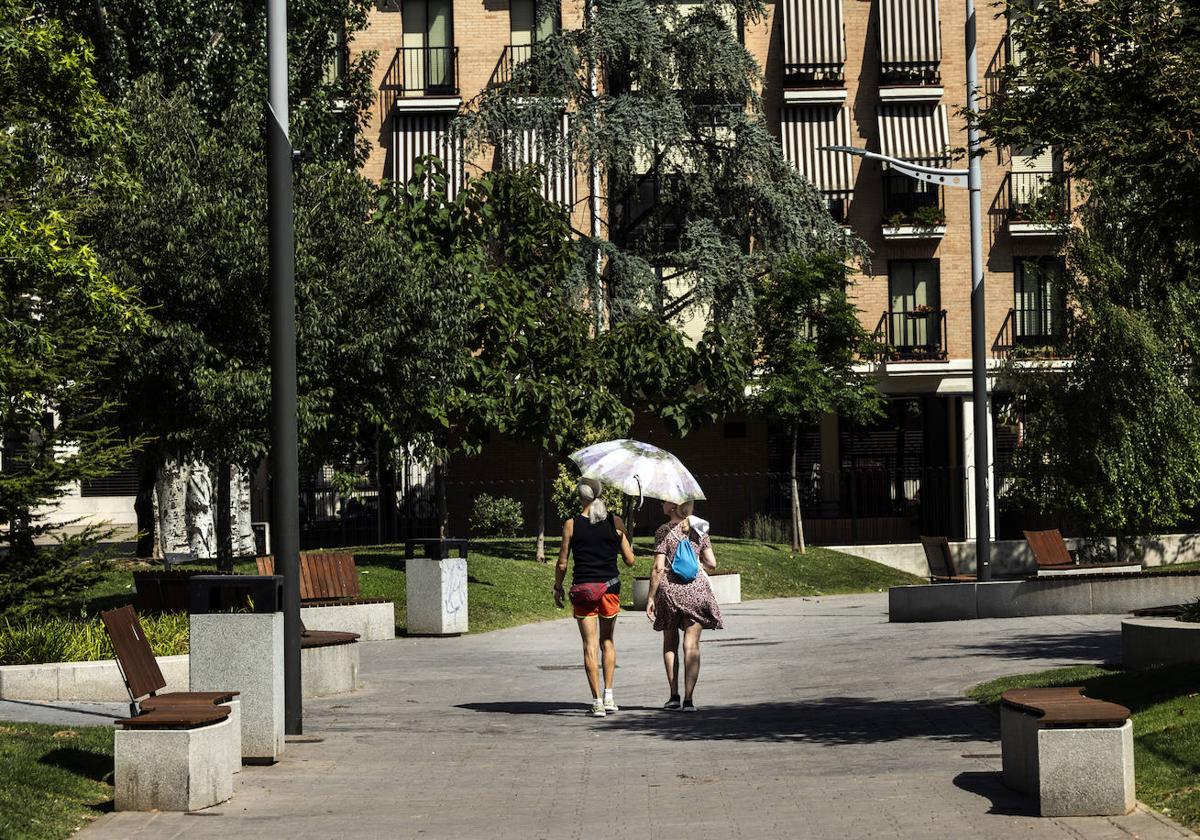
x=983, y=514
x=285, y=480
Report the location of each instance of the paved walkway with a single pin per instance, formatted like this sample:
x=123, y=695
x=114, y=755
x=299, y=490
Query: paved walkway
x=818, y=720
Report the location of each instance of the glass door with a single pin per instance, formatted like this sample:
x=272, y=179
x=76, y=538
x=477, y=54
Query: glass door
x=428, y=45
x=1039, y=306
x=915, y=297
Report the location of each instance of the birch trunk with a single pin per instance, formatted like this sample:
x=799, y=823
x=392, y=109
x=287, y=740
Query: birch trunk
x=797, y=523
x=201, y=533
x=541, y=508
x=239, y=512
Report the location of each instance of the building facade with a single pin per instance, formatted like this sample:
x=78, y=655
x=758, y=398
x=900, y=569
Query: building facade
x=884, y=75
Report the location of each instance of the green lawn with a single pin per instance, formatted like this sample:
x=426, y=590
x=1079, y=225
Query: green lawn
x=52, y=780
x=1166, y=726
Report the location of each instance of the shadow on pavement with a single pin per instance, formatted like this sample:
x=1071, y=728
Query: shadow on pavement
x=534, y=707
x=989, y=785
x=833, y=720
x=1089, y=646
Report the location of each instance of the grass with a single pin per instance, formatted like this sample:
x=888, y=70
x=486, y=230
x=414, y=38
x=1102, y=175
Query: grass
x=506, y=587
x=1166, y=726
x=53, y=780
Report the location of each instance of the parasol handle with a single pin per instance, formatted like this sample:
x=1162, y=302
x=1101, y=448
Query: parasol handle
x=640, y=497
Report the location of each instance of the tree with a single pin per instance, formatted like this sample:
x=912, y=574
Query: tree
x=60, y=316
x=1113, y=440
x=531, y=370
x=810, y=340
x=700, y=199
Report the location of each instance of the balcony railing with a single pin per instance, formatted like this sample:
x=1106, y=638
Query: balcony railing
x=1039, y=197
x=422, y=71
x=1031, y=333
x=912, y=335
x=909, y=201
x=910, y=73
x=798, y=76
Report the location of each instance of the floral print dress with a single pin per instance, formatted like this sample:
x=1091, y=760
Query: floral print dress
x=677, y=601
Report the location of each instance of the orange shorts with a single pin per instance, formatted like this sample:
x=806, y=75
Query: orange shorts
x=607, y=607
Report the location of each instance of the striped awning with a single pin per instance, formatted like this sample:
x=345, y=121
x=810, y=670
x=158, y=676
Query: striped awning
x=813, y=33
x=527, y=147
x=909, y=32
x=916, y=131
x=805, y=129
x=418, y=134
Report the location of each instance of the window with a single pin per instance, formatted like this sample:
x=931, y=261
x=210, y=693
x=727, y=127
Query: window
x=531, y=22
x=914, y=316
x=1039, y=306
x=807, y=130
x=1038, y=189
x=917, y=132
x=428, y=46
x=910, y=42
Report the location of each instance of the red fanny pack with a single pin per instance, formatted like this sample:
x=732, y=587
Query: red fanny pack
x=591, y=593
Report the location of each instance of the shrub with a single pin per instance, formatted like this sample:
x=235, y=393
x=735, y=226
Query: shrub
x=766, y=529
x=496, y=516
x=1191, y=611
x=566, y=502
x=30, y=641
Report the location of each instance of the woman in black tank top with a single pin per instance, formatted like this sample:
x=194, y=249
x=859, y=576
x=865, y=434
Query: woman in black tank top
x=594, y=538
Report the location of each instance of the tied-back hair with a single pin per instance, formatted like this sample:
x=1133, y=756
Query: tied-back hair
x=590, y=493
x=683, y=510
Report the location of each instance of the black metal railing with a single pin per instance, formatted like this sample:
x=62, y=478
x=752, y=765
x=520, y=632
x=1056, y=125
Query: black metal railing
x=1039, y=196
x=912, y=335
x=839, y=207
x=910, y=73
x=1032, y=333
x=422, y=71
x=514, y=56
x=798, y=76
x=909, y=201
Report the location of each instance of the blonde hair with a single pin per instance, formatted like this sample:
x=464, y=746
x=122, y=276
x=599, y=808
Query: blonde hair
x=683, y=510
x=590, y=491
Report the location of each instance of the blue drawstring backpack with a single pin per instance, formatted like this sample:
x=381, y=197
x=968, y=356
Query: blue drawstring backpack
x=685, y=564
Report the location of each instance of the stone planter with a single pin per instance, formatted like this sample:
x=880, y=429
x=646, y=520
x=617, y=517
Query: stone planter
x=726, y=586
x=437, y=596
x=1148, y=642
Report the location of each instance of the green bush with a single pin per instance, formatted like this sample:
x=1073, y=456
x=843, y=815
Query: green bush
x=29, y=641
x=766, y=529
x=566, y=501
x=1191, y=611
x=496, y=516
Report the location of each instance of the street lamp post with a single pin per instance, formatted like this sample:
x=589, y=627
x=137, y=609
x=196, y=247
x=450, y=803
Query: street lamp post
x=970, y=179
x=285, y=481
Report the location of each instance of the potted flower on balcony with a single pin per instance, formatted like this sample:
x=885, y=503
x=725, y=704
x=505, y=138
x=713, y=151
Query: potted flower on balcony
x=919, y=311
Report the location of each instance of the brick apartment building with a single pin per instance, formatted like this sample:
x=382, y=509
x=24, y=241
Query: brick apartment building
x=885, y=75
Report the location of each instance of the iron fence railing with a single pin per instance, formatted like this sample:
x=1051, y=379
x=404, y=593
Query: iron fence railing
x=908, y=201
x=912, y=335
x=910, y=73
x=815, y=75
x=1034, y=332
x=422, y=71
x=1043, y=196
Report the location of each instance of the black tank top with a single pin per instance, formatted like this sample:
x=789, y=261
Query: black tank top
x=595, y=550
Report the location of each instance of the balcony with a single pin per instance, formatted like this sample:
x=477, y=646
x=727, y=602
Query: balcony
x=513, y=57
x=1031, y=334
x=421, y=72
x=912, y=209
x=814, y=82
x=910, y=74
x=1038, y=203
x=913, y=335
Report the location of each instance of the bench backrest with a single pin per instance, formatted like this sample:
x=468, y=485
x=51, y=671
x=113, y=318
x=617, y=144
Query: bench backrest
x=1048, y=548
x=323, y=574
x=138, y=666
x=937, y=555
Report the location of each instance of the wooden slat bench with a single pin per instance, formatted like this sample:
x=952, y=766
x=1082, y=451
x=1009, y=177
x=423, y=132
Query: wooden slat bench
x=1074, y=753
x=941, y=562
x=1052, y=556
x=327, y=578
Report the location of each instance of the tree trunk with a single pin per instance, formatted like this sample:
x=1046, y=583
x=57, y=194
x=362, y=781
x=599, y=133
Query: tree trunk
x=241, y=512
x=223, y=523
x=198, y=503
x=169, y=501
x=797, y=523
x=541, y=507
x=143, y=504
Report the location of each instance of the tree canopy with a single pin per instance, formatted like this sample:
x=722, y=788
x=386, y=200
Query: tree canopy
x=1113, y=438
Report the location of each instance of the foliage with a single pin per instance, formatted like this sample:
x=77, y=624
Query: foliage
x=1112, y=440
x=29, y=641
x=1166, y=725
x=562, y=492
x=1191, y=611
x=43, y=797
x=763, y=528
x=61, y=317
x=700, y=199
x=496, y=516
x=216, y=51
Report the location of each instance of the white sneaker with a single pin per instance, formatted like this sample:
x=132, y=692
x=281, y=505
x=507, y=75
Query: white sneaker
x=610, y=705
x=597, y=709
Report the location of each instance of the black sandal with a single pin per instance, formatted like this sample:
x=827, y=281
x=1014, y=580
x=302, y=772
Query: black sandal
x=672, y=703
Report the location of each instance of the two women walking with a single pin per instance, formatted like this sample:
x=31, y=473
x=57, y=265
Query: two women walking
x=679, y=606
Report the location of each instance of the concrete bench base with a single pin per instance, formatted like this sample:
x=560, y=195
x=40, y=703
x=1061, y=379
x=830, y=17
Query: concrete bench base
x=1073, y=772
x=1150, y=642
x=98, y=681
x=328, y=670
x=437, y=596
x=1132, y=568
x=172, y=769
x=372, y=622
x=727, y=588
